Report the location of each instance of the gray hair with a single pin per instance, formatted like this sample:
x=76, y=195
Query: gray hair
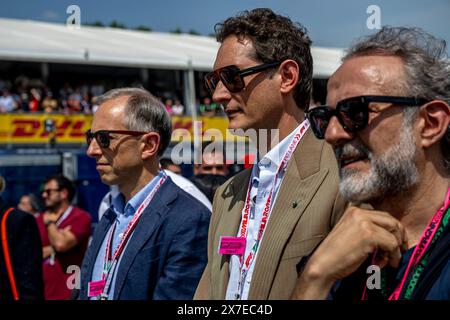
x=143, y=112
x=35, y=202
x=426, y=65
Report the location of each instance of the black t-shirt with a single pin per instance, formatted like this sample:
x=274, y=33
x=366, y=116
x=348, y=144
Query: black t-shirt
x=352, y=287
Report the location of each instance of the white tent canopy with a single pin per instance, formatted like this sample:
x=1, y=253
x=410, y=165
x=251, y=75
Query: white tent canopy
x=24, y=40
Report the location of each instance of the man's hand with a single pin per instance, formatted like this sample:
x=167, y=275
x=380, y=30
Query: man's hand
x=50, y=217
x=61, y=240
x=47, y=251
x=359, y=233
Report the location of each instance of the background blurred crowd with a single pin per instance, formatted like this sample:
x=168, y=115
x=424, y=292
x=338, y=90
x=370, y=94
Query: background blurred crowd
x=22, y=96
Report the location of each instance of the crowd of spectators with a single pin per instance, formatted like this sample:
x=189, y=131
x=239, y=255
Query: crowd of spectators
x=67, y=99
x=80, y=99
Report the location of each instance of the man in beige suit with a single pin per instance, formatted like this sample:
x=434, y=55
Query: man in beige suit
x=267, y=218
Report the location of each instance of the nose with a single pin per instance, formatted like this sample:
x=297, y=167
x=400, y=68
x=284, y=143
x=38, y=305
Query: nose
x=335, y=134
x=94, y=149
x=221, y=95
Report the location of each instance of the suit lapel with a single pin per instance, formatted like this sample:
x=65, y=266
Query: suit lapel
x=97, y=241
x=234, y=197
x=148, y=223
x=301, y=181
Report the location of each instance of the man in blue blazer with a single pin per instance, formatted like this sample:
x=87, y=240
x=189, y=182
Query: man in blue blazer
x=151, y=243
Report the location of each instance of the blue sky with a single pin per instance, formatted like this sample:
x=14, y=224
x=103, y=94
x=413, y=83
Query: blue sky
x=330, y=23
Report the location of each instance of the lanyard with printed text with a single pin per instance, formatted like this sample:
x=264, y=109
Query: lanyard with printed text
x=110, y=261
x=245, y=262
x=424, y=243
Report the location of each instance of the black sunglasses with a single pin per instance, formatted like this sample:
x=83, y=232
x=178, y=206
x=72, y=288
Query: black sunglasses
x=211, y=167
x=233, y=78
x=353, y=113
x=103, y=137
x=49, y=191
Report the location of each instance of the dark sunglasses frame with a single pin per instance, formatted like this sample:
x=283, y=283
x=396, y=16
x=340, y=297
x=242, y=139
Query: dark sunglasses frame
x=49, y=191
x=234, y=80
x=103, y=137
x=353, y=113
x=209, y=167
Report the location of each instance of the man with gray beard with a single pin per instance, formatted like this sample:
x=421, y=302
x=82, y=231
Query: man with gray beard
x=388, y=120
x=390, y=173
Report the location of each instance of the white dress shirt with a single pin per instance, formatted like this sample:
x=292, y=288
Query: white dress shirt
x=262, y=179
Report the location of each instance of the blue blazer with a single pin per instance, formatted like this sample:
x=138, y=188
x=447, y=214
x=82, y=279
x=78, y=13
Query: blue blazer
x=166, y=254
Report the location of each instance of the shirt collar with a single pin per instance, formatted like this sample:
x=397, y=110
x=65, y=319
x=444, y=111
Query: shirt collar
x=276, y=154
x=128, y=209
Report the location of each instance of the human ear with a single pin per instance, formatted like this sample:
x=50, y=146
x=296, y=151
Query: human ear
x=289, y=72
x=434, y=123
x=150, y=144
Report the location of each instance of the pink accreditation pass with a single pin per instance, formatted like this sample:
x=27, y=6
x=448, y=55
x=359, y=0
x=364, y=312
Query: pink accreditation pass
x=95, y=288
x=232, y=245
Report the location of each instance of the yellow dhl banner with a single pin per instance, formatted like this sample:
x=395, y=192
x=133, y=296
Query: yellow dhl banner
x=30, y=128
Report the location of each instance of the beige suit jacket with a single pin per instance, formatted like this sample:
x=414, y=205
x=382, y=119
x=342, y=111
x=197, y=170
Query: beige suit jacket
x=308, y=205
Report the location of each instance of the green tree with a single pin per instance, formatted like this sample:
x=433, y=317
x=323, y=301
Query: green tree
x=143, y=28
x=194, y=32
x=95, y=24
x=177, y=30
x=116, y=24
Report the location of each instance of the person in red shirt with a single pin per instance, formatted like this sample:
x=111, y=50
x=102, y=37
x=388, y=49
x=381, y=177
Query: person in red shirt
x=65, y=231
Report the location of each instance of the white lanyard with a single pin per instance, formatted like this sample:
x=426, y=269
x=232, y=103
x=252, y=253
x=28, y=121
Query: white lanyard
x=64, y=216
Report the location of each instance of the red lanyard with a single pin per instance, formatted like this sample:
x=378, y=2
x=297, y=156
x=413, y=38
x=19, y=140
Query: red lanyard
x=246, y=212
x=419, y=250
x=423, y=245
x=111, y=263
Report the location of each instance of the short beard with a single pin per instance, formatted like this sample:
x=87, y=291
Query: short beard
x=53, y=207
x=393, y=173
